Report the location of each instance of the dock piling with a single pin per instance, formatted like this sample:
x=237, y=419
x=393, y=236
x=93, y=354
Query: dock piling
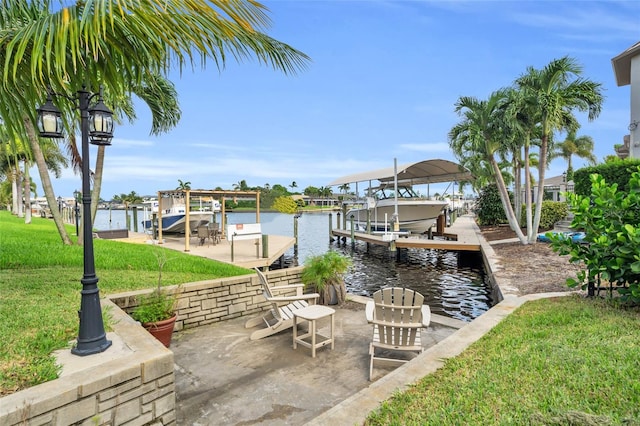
x=330, y=228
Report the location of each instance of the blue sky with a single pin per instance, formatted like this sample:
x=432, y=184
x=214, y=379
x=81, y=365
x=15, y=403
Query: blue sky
x=382, y=84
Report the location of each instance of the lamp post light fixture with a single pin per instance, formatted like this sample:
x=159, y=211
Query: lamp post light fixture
x=96, y=123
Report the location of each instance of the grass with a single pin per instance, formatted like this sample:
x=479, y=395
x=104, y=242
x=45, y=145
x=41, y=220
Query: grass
x=554, y=361
x=557, y=361
x=40, y=290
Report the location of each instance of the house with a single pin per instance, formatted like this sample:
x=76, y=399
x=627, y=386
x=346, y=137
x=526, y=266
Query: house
x=554, y=188
x=626, y=67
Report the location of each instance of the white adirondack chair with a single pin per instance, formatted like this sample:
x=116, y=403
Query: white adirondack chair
x=397, y=315
x=280, y=315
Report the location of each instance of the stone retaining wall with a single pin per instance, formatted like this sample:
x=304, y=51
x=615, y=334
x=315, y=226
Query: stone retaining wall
x=206, y=302
x=132, y=382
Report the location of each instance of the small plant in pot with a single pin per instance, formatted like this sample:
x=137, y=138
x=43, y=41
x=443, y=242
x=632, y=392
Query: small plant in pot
x=156, y=311
x=325, y=273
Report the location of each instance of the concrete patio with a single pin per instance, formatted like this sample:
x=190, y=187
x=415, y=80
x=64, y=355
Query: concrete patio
x=223, y=378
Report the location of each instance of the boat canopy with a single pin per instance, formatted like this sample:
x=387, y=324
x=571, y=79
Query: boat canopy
x=422, y=172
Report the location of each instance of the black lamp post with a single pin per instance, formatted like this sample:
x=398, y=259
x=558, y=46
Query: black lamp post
x=97, y=123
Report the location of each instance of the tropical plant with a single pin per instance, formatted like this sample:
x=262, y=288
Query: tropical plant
x=183, y=185
x=552, y=94
x=241, y=186
x=580, y=146
x=325, y=273
x=479, y=133
x=502, y=129
x=64, y=51
x=610, y=220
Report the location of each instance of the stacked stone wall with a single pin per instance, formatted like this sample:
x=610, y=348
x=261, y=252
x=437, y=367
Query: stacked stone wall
x=132, y=382
x=205, y=302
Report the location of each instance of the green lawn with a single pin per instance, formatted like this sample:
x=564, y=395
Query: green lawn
x=563, y=361
x=40, y=290
x=555, y=361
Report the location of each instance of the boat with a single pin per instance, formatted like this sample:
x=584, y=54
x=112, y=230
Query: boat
x=416, y=214
x=174, y=215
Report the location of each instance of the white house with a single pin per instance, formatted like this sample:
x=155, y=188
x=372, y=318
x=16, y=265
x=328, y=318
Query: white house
x=626, y=67
x=554, y=189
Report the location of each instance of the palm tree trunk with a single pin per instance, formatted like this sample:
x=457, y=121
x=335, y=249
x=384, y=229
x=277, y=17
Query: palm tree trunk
x=517, y=186
x=97, y=182
x=542, y=165
x=14, y=190
x=527, y=188
x=46, y=181
x=27, y=193
x=19, y=191
x=506, y=203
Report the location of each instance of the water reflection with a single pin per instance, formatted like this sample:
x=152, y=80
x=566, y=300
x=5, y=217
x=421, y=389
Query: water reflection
x=453, y=283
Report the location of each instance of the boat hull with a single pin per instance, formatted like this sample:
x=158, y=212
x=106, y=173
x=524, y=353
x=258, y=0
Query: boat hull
x=416, y=216
x=174, y=223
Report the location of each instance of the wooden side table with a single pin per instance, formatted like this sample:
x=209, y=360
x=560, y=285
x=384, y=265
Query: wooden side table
x=312, y=314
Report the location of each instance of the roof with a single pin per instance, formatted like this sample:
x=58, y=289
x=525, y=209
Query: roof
x=622, y=64
x=428, y=171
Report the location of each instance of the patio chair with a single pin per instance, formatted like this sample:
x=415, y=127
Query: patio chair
x=279, y=317
x=203, y=234
x=397, y=315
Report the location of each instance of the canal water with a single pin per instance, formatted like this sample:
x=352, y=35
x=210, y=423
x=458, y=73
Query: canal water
x=454, y=283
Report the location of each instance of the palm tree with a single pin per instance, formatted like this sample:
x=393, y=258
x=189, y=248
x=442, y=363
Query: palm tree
x=241, y=186
x=183, y=185
x=293, y=185
x=554, y=92
x=162, y=99
x=344, y=188
x=580, y=146
x=121, y=44
x=478, y=136
x=11, y=155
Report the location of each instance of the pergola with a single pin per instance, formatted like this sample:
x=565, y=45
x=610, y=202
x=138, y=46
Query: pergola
x=221, y=195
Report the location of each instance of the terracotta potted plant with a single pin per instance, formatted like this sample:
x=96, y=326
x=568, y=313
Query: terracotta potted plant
x=325, y=273
x=156, y=311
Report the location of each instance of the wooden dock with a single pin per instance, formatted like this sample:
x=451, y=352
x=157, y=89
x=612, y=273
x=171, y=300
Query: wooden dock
x=461, y=236
x=245, y=253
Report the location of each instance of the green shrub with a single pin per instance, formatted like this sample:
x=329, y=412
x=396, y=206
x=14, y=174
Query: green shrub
x=155, y=306
x=552, y=212
x=617, y=172
x=324, y=271
x=285, y=204
x=611, y=221
x=489, y=208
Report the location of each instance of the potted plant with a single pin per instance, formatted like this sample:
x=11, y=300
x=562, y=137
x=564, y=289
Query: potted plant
x=156, y=311
x=325, y=272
